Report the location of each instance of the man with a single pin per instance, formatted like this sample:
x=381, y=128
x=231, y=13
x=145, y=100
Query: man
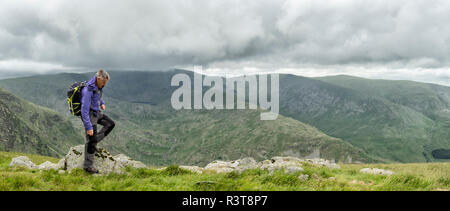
x=91, y=115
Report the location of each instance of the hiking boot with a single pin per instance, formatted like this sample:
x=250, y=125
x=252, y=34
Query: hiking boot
x=91, y=170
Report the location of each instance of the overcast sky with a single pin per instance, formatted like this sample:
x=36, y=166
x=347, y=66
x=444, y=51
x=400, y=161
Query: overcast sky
x=377, y=39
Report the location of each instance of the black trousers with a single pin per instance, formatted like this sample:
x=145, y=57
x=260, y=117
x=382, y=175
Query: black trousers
x=92, y=141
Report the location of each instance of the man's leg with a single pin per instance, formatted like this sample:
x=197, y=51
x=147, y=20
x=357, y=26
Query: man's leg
x=108, y=125
x=89, y=149
x=91, y=144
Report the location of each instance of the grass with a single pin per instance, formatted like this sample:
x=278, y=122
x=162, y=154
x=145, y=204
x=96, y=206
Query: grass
x=408, y=177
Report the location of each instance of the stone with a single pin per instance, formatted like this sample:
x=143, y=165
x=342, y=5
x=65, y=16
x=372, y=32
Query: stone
x=23, y=161
x=61, y=172
x=61, y=164
x=104, y=162
x=323, y=162
x=293, y=169
x=220, y=166
x=47, y=165
x=290, y=164
x=229, y=166
x=123, y=161
x=244, y=164
x=376, y=171
x=303, y=177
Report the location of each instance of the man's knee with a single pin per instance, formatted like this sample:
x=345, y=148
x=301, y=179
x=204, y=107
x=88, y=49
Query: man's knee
x=113, y=124
x=110, y=126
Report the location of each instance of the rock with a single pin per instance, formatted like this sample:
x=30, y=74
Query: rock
x=47, y=165
x=277, y=163
x=195, y=169
x=23, y=161
x=104, y=162
x=229, y=166
x=286, y=159
x=123, y=161
x=303, y=177
x=376, y=171
x=323, y=162
x=61, y=172
x=293, y=169
x=244, y=164
x=61, y=164
x=289, y=164
x=220, y=166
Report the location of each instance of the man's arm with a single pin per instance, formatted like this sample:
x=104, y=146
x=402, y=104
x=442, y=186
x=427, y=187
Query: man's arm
x=85, y=107
x=102, y=104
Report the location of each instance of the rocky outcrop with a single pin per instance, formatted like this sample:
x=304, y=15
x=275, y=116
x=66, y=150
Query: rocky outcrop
x=288, y=164
x=103, y=161
x=376, y=171
x=229, y=166
x=106, y=163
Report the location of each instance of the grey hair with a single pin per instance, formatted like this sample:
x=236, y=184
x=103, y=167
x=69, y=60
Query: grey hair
x=102, y=74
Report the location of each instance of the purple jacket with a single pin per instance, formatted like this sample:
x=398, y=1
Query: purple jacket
x=91, y=99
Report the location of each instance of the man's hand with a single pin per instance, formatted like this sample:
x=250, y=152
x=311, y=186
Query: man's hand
x=90, y=132
x=103, y=107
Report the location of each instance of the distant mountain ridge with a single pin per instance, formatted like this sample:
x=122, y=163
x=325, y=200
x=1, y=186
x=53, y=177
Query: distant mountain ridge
x=374, y=126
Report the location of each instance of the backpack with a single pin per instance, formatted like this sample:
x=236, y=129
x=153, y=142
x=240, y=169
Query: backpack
x=74, y=97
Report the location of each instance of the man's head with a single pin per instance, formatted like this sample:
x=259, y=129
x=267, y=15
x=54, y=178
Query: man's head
x=102, y=78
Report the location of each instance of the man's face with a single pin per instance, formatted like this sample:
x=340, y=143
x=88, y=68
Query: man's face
x=101, y=82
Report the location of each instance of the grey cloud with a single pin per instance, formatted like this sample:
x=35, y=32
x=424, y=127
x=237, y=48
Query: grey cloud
x=267, y=34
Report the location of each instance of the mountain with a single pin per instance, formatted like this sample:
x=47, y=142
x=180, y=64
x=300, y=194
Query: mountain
x=29, y=128
x=366, y=120
x=150, y=130
x=429, y=100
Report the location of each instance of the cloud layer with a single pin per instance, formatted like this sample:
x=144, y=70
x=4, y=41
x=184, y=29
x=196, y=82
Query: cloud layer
x=385, y=39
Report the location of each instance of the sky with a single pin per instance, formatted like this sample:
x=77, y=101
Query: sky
x=396, y=39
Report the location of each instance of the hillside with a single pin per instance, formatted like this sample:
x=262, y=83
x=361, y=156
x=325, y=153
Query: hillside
x=430, y=100
x=148, y=129
x=382, y=120
x=26, y=127
x=377, y=125
x=407, y=177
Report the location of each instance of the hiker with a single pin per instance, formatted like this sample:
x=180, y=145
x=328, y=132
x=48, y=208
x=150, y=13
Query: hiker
x=91, y=115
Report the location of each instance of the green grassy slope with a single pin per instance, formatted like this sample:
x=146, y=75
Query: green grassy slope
x=407, y=177
x=26, y=127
